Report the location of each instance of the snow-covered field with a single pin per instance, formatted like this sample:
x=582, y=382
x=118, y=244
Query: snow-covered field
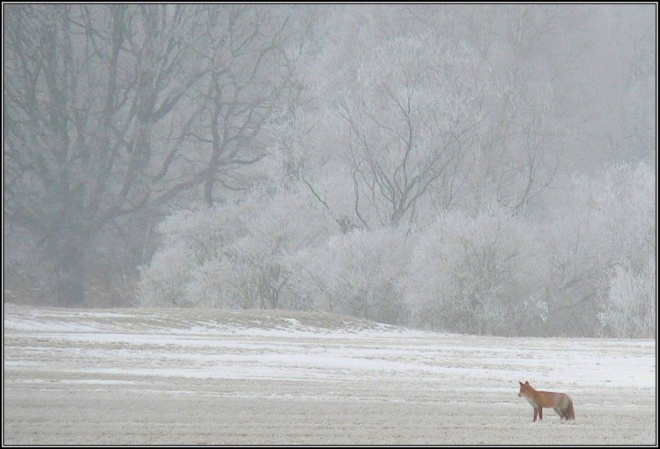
x=189, y=376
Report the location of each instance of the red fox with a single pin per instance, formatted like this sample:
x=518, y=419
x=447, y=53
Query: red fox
x=560, y=402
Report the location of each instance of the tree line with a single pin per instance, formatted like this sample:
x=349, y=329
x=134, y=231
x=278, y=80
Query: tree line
x=450, y=166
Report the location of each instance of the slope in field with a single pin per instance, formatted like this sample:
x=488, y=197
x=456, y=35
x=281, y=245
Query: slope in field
x=182, y=320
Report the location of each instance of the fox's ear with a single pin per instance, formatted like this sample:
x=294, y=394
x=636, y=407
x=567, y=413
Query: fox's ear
x=521, y=384
x=526, y=382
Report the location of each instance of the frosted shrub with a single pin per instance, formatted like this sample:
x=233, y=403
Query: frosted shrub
x=210, y=284
x=468, y=274
x=626, y=208
x=190, y=238
x=164, y=281
x=287, y=223
x=614, y=234
x=629, y=309
x=355, y=274
x=231, y=255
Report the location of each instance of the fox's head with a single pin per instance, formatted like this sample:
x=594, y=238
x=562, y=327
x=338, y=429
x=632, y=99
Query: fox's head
x=524, y=387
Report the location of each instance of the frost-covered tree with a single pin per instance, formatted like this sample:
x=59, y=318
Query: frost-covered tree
x=85, y=90
x=248, y=61
x=412, y=112
x=623, y=95
x=535, y=53
x=112, y=111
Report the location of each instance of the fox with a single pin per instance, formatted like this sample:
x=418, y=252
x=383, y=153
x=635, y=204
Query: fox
x=560, y=402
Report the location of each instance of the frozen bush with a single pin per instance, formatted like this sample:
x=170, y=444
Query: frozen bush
x=357, y=274
x=628, y=309
x=471, y=274
x=232, y=255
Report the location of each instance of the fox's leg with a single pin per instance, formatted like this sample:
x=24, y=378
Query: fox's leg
x=535, y=413
x=559, y=412
x=540, y=412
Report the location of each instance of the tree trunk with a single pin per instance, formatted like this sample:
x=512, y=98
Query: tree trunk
x=71, y=284
x=69, y=271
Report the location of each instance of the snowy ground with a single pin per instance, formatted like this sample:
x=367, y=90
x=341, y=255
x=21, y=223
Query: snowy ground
x=126, y=376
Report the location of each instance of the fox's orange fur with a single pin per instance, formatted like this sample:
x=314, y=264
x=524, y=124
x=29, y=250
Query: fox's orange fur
x=560, y=402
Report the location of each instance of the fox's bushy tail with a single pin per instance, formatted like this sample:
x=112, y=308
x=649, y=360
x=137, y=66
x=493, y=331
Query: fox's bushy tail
x=570, y=413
